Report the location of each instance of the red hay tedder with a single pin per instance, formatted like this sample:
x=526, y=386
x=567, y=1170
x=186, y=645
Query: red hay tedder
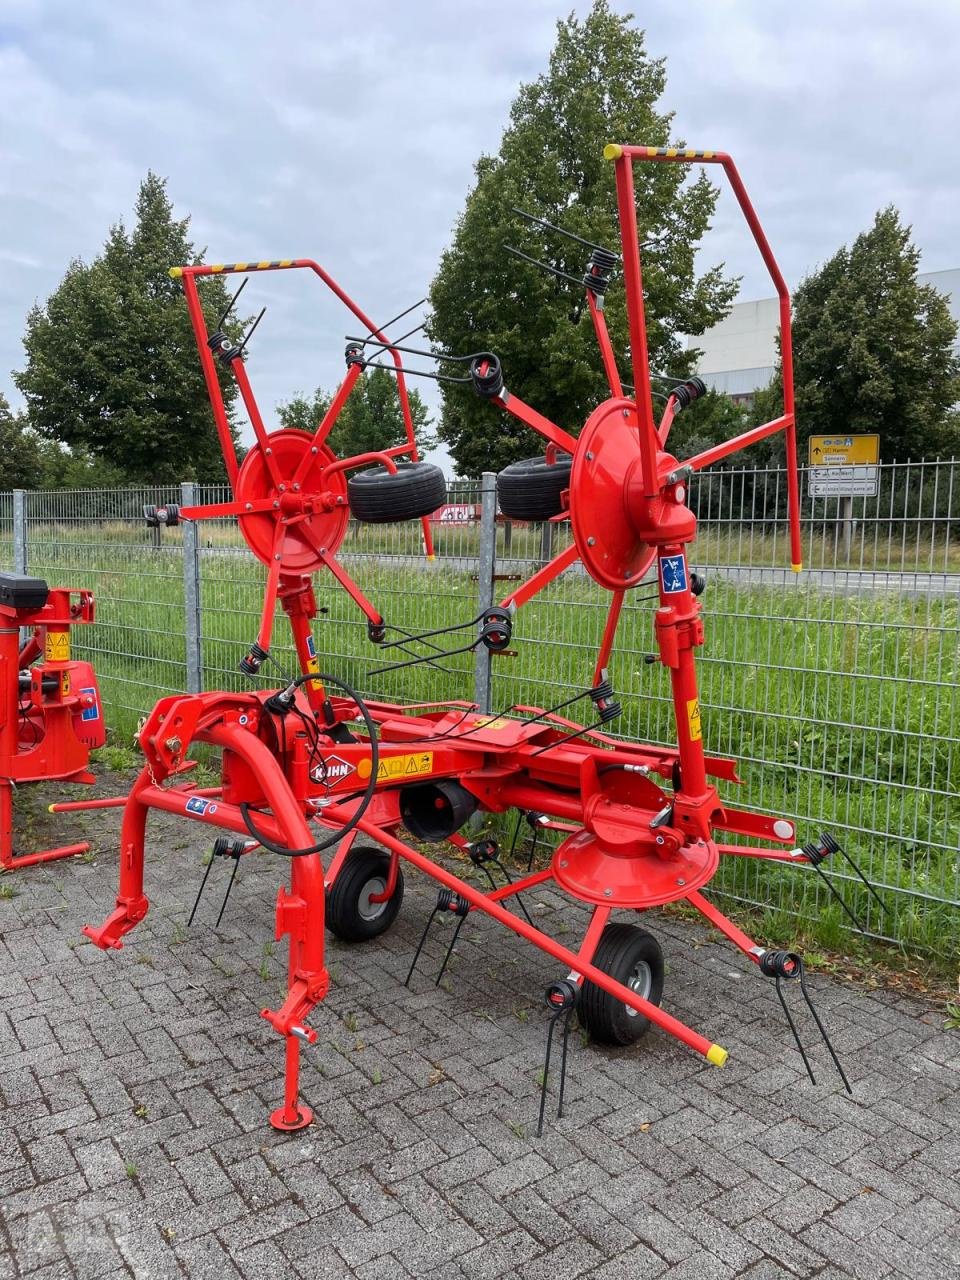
x=643, y=825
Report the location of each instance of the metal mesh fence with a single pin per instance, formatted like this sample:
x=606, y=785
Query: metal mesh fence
x=6, y=531
x=388, y=564
x=835, y=689
x=97, y=539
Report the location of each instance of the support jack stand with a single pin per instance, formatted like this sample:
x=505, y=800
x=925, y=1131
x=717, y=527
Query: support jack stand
x=293, y=1115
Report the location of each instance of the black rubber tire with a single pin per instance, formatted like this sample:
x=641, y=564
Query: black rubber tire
x=350, y=917
x=633, y=957
x=377, y=496
x=531, y=489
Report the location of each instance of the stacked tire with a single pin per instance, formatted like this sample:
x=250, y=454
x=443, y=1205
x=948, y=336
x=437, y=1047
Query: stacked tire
x=532, y=489
x=379, y=496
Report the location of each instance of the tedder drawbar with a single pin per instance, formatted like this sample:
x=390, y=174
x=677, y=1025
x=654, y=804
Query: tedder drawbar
x=314, y=764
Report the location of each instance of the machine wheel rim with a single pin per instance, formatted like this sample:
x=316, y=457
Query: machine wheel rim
x=366, y=909
x=641, y=983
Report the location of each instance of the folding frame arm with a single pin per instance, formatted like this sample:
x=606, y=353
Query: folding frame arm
x=624, y=158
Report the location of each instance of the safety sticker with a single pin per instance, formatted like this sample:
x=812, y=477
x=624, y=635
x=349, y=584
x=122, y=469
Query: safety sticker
x=333, y=769
x=693, y=719
x=673, y=574
x=495, y=722
x=91, y=712
x=411, y=766
x=197, y=804
x=56, y=646
x=312, y=663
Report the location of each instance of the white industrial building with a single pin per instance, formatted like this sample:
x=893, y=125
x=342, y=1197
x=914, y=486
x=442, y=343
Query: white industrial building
x=740, y=353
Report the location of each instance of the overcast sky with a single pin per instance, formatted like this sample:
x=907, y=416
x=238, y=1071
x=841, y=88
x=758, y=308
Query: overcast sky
x=347, y=133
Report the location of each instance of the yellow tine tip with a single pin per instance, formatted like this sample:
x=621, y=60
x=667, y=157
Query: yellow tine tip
x=612, y=151
x=51, y=809
x=797, y=567
x=717, y=1055
x=175, y=273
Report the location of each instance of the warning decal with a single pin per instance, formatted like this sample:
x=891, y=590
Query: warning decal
x=392, y=768
x=56, y=646
x=693, y=719
x=673, y=574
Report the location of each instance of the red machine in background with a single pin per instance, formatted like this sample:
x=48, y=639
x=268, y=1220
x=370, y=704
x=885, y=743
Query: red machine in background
x=51, y=717
x=643, y=825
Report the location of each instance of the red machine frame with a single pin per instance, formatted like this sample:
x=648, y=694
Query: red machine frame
x=50, y=711
x=630, y=844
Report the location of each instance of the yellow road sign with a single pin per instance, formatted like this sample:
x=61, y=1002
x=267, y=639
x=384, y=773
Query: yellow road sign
x=844, y=451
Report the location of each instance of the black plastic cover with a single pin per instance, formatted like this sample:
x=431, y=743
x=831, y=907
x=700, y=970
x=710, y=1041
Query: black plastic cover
x=18, y=591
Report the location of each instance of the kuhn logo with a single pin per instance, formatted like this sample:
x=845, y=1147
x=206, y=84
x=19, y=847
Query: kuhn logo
x=332, y=770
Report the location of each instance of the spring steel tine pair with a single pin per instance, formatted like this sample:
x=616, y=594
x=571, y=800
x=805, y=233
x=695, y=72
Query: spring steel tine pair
x=787, y=965
x=561, y=998
x=223, y=847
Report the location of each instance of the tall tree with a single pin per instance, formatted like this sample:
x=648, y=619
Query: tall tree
x=370, y=420
x=112, y=368
x=601, y=86
x=874, y=349
x=22, y=462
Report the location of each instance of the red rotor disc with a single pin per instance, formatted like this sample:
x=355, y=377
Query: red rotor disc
x=608, y=452
x=592, y=871
x=317, y=507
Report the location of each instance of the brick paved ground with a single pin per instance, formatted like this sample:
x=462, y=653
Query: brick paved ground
x=135, y=1088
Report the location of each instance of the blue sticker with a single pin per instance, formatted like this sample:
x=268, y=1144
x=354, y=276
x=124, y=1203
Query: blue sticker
x=196, y=804
x=673, y=574
x=311, y=647
x=91, y=713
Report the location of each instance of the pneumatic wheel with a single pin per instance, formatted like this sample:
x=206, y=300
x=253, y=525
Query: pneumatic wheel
x=531, y=489
x=634, y=958
x=351, y=916
x=379, y=496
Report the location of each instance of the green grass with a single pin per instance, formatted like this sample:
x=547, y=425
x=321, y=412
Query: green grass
x=842, y=709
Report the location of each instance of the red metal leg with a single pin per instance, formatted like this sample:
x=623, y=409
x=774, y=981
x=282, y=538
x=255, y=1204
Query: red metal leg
x=132, y=904
x=542, y=578
x=609, y=634
x=727, y=927
x=591, y=939
x=348, y=584
x=293, y=1114
x=339, y=858
x=75, y=806
x=606, y=348
x=329, y=418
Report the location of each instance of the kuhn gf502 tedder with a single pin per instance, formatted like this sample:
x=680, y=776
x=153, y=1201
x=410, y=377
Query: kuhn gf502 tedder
x=314, y=764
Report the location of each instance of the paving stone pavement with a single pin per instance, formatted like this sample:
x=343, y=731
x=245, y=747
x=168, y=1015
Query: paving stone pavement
x=135, y=1088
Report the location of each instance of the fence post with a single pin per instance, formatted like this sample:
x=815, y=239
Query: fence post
x=546, y=543
x=485, y=571
x=19, y=531
x=191, y=592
